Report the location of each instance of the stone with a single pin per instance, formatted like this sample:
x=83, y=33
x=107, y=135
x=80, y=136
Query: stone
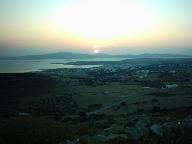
x=146, y=122
x=111, y=138
x=99, y=139
x=134, y=132
x=187, y=124
x=115, y=129
x=137, y=131
x=116, y=138
x=67, y=142
x=157, y=129
x=102, y=124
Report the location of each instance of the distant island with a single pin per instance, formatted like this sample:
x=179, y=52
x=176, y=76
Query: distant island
x=70, y=55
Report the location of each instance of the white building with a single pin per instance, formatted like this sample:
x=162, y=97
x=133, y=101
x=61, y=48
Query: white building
x=171, y=86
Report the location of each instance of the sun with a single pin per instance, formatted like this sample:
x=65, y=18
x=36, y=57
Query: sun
x=96, y=51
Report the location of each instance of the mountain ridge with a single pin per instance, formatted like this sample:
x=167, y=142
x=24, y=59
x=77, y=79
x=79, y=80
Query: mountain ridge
x=71, y=55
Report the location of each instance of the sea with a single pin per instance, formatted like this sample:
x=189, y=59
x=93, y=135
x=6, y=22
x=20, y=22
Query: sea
x=23, y=66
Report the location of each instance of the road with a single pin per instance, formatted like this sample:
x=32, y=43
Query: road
x=109, y=106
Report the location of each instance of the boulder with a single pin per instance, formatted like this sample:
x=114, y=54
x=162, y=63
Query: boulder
x=169, y=127
x=134, y=132
x=187, y=124
x=137, y=131
x=116, y=138
x=99, y=139
x=68, y=142
x=145, y=122
x=115, y=129
x=157, y=129
x=112, y=138
x=85, y=139
x=102, y=124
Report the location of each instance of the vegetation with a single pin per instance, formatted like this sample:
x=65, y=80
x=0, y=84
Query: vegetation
x=115, y=103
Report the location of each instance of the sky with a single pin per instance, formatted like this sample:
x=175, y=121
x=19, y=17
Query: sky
x=88, y=26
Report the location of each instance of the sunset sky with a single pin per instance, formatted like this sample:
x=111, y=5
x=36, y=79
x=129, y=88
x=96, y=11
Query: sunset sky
x=108, y=26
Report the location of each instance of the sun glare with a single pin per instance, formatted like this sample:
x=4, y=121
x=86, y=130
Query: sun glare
x=96, y=51
x=104, y=19
x=96, y=46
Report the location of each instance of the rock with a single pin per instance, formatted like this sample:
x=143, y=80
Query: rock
x=115, y=129
x=85, y=139
x=112, y=138
x=102, y=124
x=24, y=114
x=157, y=129
x=67, y=142
x=187, y=124
x=70, y=142
x=99, y=139
x=134, y=132
x=131, y=121
x=168, y=127
x=174, y=132
x=105, y=133
x=146, y=122
x=117, y=138
x=137, y=131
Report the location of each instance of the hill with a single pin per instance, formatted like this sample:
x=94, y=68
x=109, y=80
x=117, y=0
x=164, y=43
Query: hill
x=70, y=55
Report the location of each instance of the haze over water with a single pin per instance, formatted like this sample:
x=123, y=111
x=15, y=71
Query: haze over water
x=22, y=66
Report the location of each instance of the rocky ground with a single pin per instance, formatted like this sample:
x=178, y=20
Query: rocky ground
x=159, y=127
